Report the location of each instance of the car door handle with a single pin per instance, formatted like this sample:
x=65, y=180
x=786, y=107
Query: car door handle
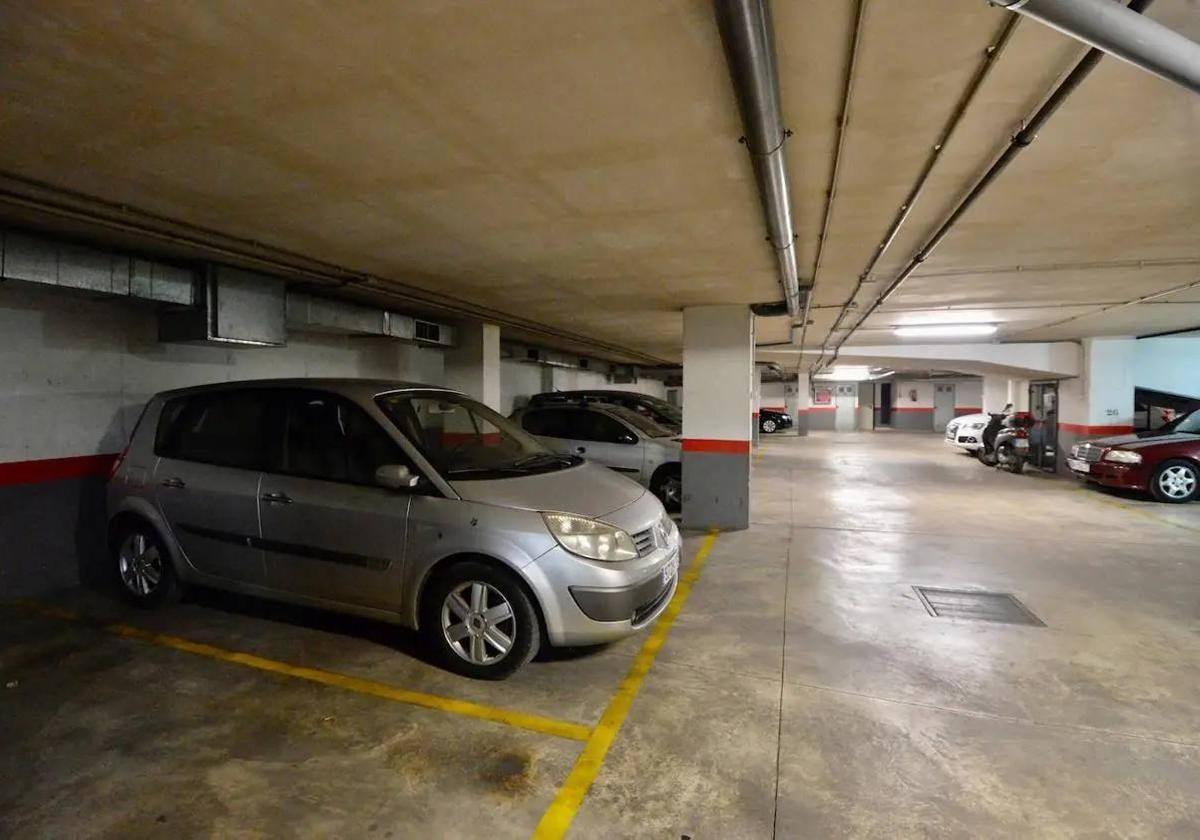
x=177, y=483
x=276, y=498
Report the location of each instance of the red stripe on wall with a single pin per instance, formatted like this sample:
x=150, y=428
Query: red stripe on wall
x=780, y=408
x=968, y=409
x=725, y=447
x=55, y=469
x=823, y=408
x=1082, y=429
x=912, y=409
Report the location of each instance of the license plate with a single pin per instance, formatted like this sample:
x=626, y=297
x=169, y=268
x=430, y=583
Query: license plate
x=669, y=571
x=1079, y=466
x=1021, y=444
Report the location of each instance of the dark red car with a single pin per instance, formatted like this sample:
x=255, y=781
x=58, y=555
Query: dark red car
x=1166, y=461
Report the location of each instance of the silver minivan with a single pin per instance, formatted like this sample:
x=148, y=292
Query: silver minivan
x=404, y=502
x=615, y=436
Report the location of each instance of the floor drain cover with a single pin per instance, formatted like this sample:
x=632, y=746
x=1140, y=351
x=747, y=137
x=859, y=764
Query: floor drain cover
x=975, y=605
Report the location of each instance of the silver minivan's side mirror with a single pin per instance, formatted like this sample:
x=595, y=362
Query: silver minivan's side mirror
x=396, y=477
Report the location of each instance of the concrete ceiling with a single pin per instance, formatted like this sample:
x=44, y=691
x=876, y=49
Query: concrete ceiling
x=575, y=165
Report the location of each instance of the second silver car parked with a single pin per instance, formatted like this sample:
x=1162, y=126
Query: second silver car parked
x=616, y=437
x=398, y=501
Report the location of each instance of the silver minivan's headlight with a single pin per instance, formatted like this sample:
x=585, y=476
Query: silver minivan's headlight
x=590, y=538
x=1123, y=456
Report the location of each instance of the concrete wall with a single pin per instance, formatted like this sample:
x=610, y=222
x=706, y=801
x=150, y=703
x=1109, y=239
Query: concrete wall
x=520, y=380
x=774, y=396
x=908, y=414
x=968, y=396
x=1168, y=364
x=74, y=375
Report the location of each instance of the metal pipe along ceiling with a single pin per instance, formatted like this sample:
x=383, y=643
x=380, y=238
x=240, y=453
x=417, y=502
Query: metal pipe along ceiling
x=748, y=37
x=1112, y=28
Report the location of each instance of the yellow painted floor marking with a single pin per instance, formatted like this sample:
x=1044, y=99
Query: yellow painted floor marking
x=562, y=810
x=1138, y=510
x=508, y=717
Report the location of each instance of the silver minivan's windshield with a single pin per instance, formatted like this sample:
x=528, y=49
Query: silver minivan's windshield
x=465, y=439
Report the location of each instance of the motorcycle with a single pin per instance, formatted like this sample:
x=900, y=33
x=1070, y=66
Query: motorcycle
x=987, y=452
x=1012, y=442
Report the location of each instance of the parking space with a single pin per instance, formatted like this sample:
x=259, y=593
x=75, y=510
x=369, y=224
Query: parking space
x=803, y=689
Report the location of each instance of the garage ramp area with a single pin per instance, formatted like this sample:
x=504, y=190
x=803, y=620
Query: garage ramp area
x=804, y=683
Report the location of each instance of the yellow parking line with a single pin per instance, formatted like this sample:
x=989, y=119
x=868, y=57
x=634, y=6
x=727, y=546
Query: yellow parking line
x=562, y=810
x=1139, y=511
x=508, y=717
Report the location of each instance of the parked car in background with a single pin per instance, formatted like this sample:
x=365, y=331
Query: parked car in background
x=770, y=420
x=1164, y=462
x=397, y=501
x=657, y=409
x=614, y=436
x=966, y=432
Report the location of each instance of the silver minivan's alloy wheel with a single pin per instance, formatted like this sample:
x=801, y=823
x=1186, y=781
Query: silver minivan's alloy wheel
x=1177, y=481
x=140, y=564
x=478, y=622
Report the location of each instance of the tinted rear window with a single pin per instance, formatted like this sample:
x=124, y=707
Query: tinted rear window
x=226, y=428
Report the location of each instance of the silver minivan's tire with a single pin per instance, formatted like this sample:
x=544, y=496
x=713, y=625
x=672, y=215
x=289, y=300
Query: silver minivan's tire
x=478, y=621
x=1175, y=481
x=143, y=567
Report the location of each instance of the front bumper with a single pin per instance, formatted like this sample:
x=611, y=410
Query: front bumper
x=1107, y=474
x=969, y=441
x=586, y=602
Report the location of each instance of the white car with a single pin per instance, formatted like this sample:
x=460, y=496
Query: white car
x=966, y=432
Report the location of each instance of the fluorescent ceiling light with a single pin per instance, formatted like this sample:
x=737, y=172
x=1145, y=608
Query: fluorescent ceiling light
x=845, y=373
x=945, y=330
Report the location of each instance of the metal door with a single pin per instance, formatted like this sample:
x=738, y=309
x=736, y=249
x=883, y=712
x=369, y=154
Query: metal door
x=334, y=541
x=885, y=403
x=943, y=406
x=1043, y=437
x=845, y=397
x=211, y=448
x=328, y=530
x=866, y=406
x=605, y=440
x=213, y=513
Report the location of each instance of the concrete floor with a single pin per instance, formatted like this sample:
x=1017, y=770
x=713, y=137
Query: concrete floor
x=803, y=692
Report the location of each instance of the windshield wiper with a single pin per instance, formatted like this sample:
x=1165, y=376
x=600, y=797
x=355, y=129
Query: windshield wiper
x=522, y=466
x=542, y=458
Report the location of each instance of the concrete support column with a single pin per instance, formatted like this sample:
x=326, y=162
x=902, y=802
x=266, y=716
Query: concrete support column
x=473, y=367
x=995, y=394
x=1100, y=401
x=718, y=399
x=1018, y=394
x=756, y=406
x=798, y=396
x=547, y=379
